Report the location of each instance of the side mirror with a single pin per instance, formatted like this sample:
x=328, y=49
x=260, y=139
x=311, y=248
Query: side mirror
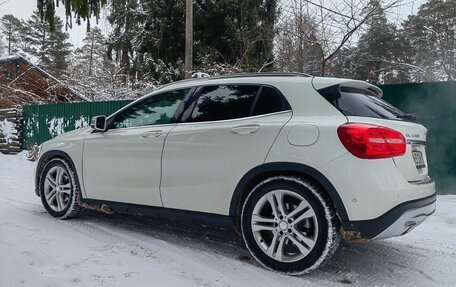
x=98, y=123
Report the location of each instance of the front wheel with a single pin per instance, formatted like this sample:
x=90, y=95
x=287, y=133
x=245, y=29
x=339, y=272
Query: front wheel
x=288, y=226
x=59, y=189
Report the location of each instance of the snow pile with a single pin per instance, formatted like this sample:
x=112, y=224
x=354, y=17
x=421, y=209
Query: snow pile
x=8, y=130
x=101, y=250
x=200, y=75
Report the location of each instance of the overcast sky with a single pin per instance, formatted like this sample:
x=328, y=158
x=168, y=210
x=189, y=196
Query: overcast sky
x=24, y=8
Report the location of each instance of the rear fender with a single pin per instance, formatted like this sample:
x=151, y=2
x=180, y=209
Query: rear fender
x=251, y=178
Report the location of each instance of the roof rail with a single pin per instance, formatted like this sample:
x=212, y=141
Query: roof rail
x=265, y=74
x=238, y=75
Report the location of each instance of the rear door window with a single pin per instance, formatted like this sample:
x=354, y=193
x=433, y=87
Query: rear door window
x=361, y=103
x=224, y=102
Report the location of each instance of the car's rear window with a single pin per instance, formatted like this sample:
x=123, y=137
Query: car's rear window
x=360, y=103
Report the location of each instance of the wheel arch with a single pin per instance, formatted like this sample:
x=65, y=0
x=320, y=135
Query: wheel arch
x=259, y=173
x=44, y=159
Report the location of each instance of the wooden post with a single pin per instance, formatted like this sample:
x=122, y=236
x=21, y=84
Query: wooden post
x=189, y=39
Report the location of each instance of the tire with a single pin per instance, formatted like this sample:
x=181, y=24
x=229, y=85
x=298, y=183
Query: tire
x=59, y=189
x=299, y=235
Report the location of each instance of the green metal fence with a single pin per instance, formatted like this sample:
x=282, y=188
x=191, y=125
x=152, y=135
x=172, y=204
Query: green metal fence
x=43, y=122
x=435, y=104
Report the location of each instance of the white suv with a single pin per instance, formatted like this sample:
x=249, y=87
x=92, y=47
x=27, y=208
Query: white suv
x=292, y=162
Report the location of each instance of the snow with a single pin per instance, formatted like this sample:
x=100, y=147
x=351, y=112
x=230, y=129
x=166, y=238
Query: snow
x=55, y=126
x=8, y=130
x=200, y=75
x=82, y=122
x=102, y=250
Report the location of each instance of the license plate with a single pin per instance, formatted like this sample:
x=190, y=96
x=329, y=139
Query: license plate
x=418, y=158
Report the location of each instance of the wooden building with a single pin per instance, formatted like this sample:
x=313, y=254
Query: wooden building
x=21, y=83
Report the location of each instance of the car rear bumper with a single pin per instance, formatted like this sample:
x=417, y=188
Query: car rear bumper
x=397, y=221
x=407, y=221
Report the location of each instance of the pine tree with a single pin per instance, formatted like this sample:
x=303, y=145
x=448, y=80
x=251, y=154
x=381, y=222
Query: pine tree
x=80, y=9
x=11, y=28
x=148, y=36
x=125, y=18
x=431, y=35
x=93, y=53
x=90, y=70
x=346, y=63
x=236, y=32
x=375, y=49
x=51, y=49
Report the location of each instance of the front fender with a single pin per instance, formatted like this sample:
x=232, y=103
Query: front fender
x=69, y=146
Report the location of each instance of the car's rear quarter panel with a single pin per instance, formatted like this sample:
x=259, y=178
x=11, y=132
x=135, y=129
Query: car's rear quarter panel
x=368, y=188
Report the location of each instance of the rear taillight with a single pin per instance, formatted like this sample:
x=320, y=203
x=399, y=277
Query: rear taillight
x=371, y=141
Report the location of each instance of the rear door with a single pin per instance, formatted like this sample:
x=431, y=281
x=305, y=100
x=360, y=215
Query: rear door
x=123, y=164
x=365, y=106
x=228, y=131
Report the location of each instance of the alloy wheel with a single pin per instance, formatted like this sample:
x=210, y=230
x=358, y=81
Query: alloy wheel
x=284, y=225
x=57, y=188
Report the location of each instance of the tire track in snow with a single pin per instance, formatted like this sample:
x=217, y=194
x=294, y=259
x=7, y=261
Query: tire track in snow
x=99, y=250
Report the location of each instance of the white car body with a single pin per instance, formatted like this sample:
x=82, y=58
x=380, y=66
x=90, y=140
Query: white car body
x=202, y=167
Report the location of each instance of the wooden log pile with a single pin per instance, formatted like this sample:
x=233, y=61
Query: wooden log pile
x=10, y=131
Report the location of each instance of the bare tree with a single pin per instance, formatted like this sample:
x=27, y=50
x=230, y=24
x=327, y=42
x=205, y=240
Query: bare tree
x=326, y=26
x=294, y=43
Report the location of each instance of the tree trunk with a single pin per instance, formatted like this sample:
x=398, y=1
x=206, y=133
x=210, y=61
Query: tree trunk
x=43, y=45
x=125, y=65
x=91, y=56
x=10, y=36
x=125, y=59
x=189, y=39
x=323, y=67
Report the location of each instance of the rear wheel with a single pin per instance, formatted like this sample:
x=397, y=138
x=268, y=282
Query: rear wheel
x=59, y=189
x=288, y=226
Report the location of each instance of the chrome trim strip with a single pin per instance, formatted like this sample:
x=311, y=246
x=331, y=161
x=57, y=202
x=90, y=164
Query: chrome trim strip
x=416, y=142
x=237, y=119
x=423, y=181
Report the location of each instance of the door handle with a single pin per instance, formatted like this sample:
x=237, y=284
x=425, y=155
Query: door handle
x=245, y=129
x=152, y=134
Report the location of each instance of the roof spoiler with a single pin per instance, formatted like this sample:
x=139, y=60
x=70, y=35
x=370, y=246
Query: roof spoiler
x=321, y=83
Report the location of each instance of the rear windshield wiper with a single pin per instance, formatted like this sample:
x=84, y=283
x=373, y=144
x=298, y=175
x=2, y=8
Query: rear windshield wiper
x=409, y=117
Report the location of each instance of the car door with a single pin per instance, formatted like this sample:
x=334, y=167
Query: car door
x=229, y=130
x=123, y=164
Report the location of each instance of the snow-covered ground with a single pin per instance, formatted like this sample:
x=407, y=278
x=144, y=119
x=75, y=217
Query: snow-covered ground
x=101, y=250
